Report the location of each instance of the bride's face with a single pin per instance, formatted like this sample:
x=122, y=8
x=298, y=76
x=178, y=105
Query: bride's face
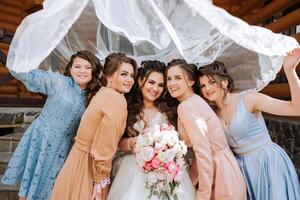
x=153, y=87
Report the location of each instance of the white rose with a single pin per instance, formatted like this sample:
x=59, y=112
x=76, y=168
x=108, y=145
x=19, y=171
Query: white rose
x=162, y=157
x=146, y=153
x=151, y=178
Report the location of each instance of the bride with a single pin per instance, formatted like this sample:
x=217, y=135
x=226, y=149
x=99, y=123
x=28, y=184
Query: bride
x=145, y=109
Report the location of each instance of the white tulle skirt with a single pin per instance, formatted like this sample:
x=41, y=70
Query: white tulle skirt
x=129, y=183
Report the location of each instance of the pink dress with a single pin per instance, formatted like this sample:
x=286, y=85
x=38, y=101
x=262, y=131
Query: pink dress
x=218, y=174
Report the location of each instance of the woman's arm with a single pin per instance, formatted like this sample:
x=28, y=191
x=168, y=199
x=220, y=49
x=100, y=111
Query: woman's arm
x=127, y=144
x=107, y=135
x=40, y=80
x=196, y=129
x=261, y=102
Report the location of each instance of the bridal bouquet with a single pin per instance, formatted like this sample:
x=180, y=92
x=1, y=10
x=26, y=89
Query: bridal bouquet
x=160, y=155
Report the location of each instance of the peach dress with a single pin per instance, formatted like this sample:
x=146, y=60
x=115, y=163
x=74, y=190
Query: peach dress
x=99, y=132
x=218, y=174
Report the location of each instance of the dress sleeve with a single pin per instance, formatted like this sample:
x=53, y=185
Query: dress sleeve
x=107, y=136
x=196, y=129
x=40, y=80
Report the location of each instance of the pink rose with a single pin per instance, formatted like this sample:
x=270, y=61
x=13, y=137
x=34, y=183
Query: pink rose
x=155, y=162
x=178, y=176
x=166, y=127
x=148, y=166
x=172, y=168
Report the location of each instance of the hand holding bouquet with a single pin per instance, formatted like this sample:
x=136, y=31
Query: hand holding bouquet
x=160, y=155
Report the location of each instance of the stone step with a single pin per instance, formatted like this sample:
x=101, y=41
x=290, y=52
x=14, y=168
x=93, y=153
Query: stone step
x=9, y=195
x=8, y=144
x=8, y=192
x=4, y=159
x=15, y=117
x=8, y=188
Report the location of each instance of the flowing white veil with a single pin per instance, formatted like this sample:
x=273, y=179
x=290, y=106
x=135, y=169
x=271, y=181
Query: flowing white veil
x=149, y=29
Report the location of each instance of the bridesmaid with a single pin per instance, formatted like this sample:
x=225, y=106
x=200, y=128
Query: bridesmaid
x=219, y=176
x=46, y=143
x=146, y=108
x=85, y=174
x=268, y=171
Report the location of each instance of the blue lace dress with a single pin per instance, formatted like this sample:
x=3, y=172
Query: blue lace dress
x=46, y=143
x=267, y=169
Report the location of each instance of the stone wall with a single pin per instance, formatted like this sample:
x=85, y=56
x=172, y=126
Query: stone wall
x=286, y=133
x=19, y=119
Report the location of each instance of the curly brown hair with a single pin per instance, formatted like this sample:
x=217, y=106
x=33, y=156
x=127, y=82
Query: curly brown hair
x=94, y=85
x=217, y=71
x=135, y=96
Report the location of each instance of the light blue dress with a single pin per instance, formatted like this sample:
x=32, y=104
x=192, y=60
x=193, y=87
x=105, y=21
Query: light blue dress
x=267, y=169
x=46, y=143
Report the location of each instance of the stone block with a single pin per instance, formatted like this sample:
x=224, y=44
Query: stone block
x=29, y=117
x=11, y=118
x=5, y=146
x=4, y=195
x=14, y=196
x=5, y=157
x=8, y=188
x=6, y=137
x=286, y=133
x=16, y=136
x=14, y=145
x=2, y=168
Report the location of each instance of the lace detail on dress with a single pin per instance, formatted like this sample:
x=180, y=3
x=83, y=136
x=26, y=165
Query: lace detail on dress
x=159, y=118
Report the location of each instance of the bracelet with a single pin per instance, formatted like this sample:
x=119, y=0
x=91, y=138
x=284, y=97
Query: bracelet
x=102, y=184
x=128, y=144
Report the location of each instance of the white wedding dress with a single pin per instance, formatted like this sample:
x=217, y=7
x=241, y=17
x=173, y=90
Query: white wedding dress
x=129, y=183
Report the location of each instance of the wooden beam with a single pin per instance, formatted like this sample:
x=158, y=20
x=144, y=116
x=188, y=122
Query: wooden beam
x=297, y=37
x=21, y=102
x=15, y=3
x=8, y=96
x=6, y=36
x=3, y=71
x=6, y=79
x=29, y=4
x=277, y=90
x=4, y=46
x=30, y=95
x=268, y=11
x=3, y=58
x=2, y=65
x=8, y=89
x=229, y=5
x=9, y=18
x=5, y=51
x=40, y=2
x=22, y=88
x=283, y=23
x=14, y=82
x=10, y=9
x=247, y=7
x=8, y=26
x=230, y=2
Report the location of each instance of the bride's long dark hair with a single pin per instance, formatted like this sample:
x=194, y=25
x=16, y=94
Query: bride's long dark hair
x=135, y=97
